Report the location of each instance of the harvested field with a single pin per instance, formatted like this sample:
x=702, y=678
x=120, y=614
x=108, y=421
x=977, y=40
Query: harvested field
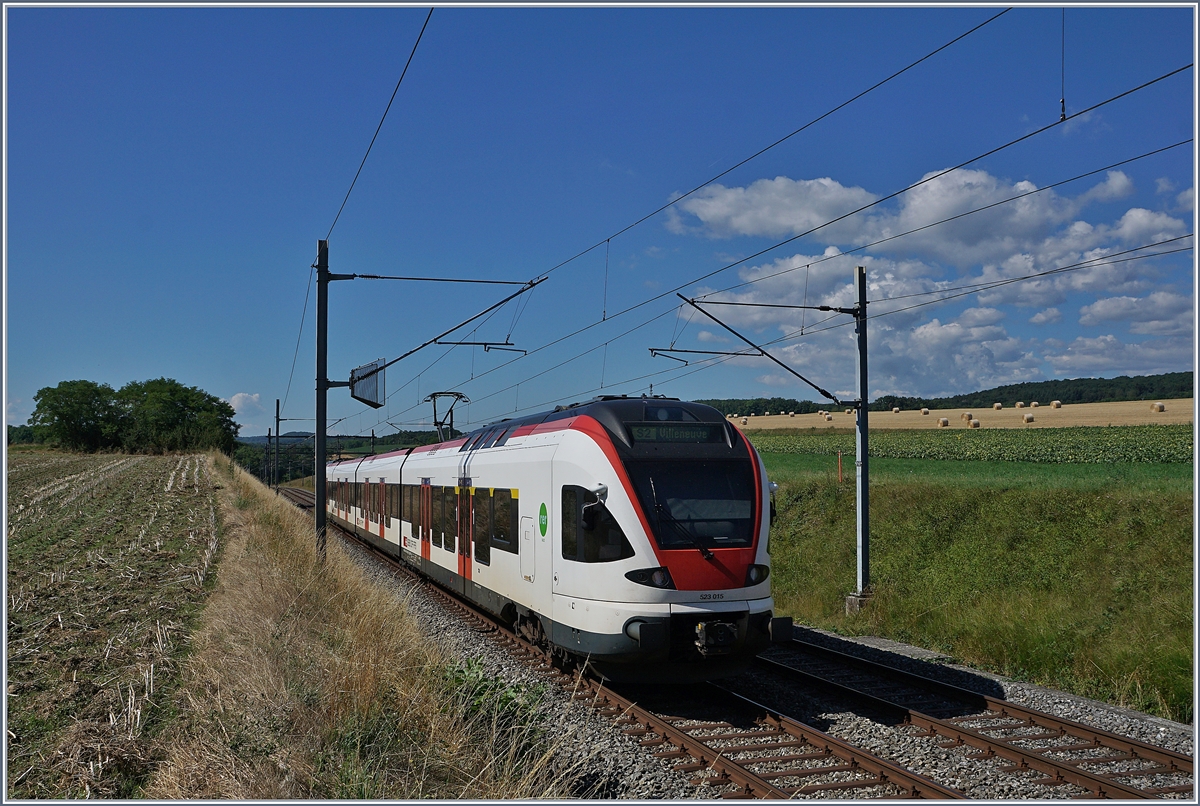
x=1129, y=412
x=108, y=560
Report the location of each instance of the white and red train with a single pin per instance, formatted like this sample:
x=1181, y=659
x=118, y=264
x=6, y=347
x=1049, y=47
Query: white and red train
x=630, y=532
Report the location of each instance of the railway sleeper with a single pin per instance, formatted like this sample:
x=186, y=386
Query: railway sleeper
x=862, y=783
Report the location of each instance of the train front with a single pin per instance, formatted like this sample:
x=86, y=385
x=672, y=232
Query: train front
x=693, y=601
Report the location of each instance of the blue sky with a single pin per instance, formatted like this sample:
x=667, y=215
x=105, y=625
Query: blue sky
x=170, y=170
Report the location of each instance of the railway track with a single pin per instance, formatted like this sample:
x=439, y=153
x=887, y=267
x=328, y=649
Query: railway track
x=751, y=750
x=1102, y=764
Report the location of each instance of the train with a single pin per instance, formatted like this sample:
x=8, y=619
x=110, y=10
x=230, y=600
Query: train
x=630, y=534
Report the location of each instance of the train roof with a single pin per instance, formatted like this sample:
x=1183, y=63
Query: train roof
x=611, y=411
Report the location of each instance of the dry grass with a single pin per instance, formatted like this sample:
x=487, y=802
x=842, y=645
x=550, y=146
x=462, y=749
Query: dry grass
x=310, y=682
x=1130, y=412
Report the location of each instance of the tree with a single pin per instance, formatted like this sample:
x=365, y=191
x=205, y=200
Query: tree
x=164, y=415
x=79, y=415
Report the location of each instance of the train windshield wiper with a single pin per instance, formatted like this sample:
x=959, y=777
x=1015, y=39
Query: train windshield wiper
x=663, y=514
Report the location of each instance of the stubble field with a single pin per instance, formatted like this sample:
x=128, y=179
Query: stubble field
x=108, y=559
x=1129, y=412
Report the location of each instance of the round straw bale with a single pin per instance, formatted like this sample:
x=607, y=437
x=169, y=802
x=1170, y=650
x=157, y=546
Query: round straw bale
x=1027, y=418
x=791, y=414
x=924, y=411
x=849, y=411
x=943, y=423
x=1157, y=407
x=1033, y=405
x=1056, y=404
x=974, y=423
x=744, y=421
x=1020, y=405
x=966, y=415
x=997, y=406
x=828, y=417
x=895, y=410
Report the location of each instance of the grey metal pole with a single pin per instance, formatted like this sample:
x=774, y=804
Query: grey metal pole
x=322, y=393
x=860, y=441
x=275, y=471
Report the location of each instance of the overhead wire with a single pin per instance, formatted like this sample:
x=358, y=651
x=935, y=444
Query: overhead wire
x=948, y=220
x=380, y=126
x=820, y=226
x=781, y=140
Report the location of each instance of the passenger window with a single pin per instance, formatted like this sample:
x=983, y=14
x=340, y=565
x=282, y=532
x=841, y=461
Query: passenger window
x=504, y=528
x=481, y=504
x=596, y=537
x=449, y=517
x=435, y=516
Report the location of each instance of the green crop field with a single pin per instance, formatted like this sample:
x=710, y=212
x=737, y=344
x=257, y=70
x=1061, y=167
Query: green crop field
x=1084, y=444
x=1075, y=575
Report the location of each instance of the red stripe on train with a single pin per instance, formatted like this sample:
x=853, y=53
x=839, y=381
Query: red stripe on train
x=689, y=569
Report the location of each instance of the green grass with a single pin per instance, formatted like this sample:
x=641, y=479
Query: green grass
x=1174, y=477
x=1075, y=576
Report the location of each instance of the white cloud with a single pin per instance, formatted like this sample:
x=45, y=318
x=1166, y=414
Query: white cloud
x=245, y=404
x=1163, y=185
x=14, y=412
x=979, y=317
x=1109, y=355
x=1187, y=200
x=775, y=380
x=772, y=207
x=1161, y=313
x=707, y=337
x=1046, y=317
x=1142, y=226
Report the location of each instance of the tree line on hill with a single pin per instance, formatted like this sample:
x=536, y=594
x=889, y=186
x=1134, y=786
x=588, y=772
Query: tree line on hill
x=1168, y=386
x=296, y=451
x=154, y=416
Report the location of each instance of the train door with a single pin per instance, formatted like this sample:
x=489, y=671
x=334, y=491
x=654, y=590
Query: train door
x=426, y=507
x=382, y=507
x=465, y=532
x=528, y=550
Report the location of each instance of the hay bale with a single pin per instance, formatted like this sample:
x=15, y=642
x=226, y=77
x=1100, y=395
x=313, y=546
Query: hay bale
x=1020, y=405
x=828, y=417
x=974, y=423
x=849, y=411
x=924, y=411
x=1157, y=407
x=744, y=421
x=966, y=416
x=791, y=414
x=1056, y=404
x=1033, y=405
x=895, y=410
x=997, y=406
x=943, y=423
x=1027, y=418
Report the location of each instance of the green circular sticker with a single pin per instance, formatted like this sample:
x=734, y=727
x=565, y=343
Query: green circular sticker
x=543, y=520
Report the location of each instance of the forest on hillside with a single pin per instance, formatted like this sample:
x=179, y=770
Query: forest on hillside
x=1168, y=386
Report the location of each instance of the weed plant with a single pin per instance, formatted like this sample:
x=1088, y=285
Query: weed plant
x=1084, y=586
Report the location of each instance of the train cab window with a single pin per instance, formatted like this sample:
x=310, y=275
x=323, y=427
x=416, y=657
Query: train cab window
x=481, y=510
x=505, y=521
x=449, y=517
x=590, y=534
x=698, y=502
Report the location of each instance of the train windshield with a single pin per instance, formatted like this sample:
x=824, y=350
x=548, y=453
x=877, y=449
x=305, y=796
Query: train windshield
x=696, y=503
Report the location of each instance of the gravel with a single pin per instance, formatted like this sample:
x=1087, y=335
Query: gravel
x=612, y=765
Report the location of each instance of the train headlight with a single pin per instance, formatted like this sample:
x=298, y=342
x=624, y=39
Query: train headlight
x=654, y=577
x=756, y=574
